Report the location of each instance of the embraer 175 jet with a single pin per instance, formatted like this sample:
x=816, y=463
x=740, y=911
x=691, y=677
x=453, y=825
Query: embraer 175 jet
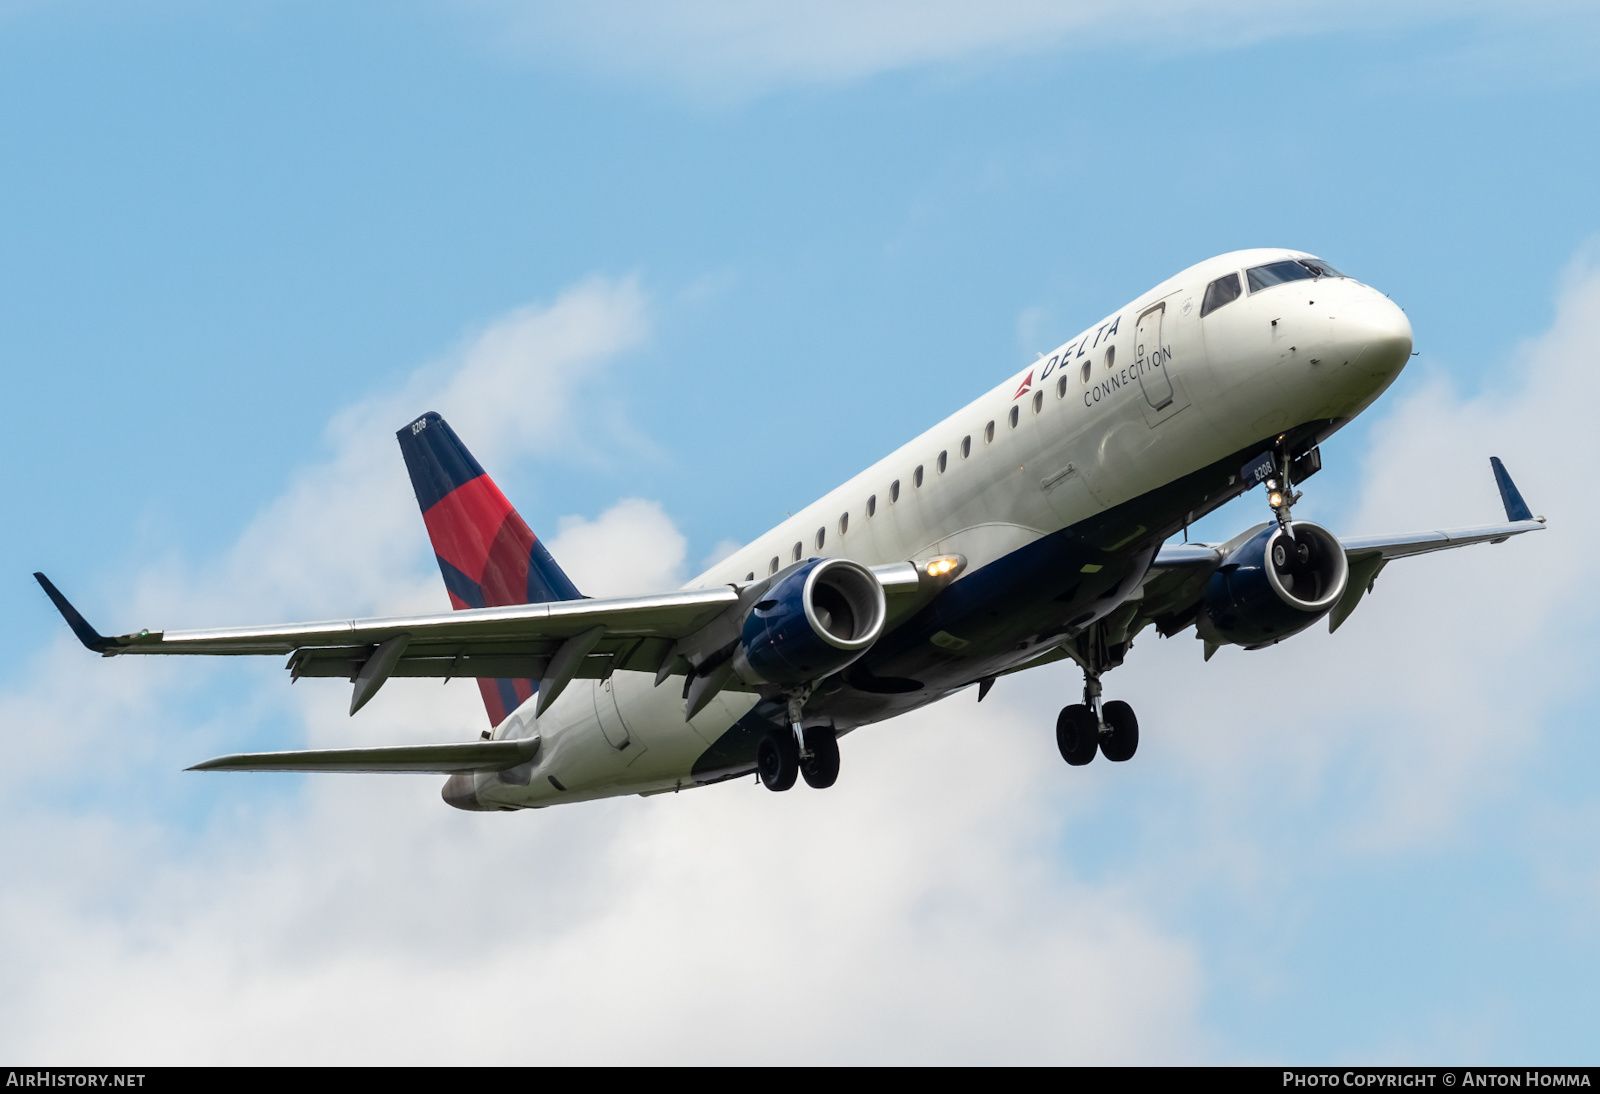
x=1026, y=528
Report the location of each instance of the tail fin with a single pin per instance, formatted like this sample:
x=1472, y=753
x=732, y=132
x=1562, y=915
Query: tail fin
x=487, y=554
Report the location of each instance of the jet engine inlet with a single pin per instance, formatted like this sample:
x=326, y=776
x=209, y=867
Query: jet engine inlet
x=844, y=604
x=1307, y=572
x=1275, y=584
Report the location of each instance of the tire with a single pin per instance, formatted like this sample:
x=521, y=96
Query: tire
x=1077, y=735
x=1121, y=737
x=778, y=760
x=821, y=769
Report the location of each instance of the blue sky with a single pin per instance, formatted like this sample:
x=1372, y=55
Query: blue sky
x=715, y=262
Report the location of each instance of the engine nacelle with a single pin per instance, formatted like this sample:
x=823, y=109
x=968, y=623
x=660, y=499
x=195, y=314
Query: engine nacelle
x=813, y=622
x=1272, y=586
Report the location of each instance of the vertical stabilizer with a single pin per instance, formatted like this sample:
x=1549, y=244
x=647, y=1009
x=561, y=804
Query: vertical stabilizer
x=487, y=553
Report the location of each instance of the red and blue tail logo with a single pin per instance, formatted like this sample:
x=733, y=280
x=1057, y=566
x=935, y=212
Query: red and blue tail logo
x=486, y=552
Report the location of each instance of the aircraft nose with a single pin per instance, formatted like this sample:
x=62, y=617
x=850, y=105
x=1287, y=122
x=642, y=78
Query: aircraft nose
x=1376, y=335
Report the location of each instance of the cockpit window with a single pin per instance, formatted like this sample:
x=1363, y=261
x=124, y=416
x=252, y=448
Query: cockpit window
x=1224, y=290
x=1277, y=273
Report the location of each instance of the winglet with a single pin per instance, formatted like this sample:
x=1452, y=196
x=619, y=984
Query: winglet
x=90, y=637
x=1516, y=508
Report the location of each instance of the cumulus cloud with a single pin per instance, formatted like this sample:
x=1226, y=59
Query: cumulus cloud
x=633, y=547
x=945, y=902
x=1430, y=702
x=904, y=916
x=361, y=919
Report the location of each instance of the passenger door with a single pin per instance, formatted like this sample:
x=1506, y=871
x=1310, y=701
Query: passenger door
x=1150, y=358
x=1153, y=364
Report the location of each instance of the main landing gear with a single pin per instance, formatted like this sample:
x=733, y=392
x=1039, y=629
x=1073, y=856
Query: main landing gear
x=1091, y=727
x=811, y=754
x=780, y=762
x=1079, y=734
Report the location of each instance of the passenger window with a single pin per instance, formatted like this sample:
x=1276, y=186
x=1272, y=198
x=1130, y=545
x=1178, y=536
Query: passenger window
x=894, y=491
x=798, y=547
x=1224, y=290
x=751, y=576
x=1061, y=388
x=844, y=523
x=772, y=567
x=1038, y=401
x=988, y=433
x=944, y=458
x=1013, y=418
x=872, y=506
x=1276, y=273
x=1084, y=373
x=1111, y=352
x=916, y=476
x=822, y=537
x=966, y=447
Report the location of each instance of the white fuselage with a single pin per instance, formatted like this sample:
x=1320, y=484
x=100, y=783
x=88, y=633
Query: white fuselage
x=1149, y=394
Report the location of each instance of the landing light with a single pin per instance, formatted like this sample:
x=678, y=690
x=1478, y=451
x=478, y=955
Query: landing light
x=1275, y=499
x=941, y=566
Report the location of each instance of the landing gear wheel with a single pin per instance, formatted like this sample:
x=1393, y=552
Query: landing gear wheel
x=821, y=768
x=778, y=760
x=1120, y=740
x=1077, y=734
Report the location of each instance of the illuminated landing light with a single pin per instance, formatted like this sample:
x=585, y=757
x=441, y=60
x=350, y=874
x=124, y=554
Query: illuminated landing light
x=1275, y=500
x=941, y=570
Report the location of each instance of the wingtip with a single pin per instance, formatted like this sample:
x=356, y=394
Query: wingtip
x=91, y=638
x=1516, y=508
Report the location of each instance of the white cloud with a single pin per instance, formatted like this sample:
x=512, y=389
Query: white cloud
x=361, y=919
x=633, y=547
x=729, y=47
x=719, y=551
x=921, y=910
x=891, y=919
x=1430, y=701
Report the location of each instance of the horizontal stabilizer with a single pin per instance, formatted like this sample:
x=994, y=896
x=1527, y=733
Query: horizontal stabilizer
x=439, y=759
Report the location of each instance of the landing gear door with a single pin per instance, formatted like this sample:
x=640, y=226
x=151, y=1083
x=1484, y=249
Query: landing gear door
x=1153, y=362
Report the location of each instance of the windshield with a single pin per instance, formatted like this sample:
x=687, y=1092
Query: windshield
x=1277, y=273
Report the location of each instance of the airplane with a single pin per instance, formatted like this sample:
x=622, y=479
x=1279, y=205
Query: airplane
x=1028, y=527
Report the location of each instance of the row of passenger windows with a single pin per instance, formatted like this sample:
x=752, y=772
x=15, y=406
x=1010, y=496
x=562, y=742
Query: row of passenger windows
x=1226, y=289
x=1013, y=419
